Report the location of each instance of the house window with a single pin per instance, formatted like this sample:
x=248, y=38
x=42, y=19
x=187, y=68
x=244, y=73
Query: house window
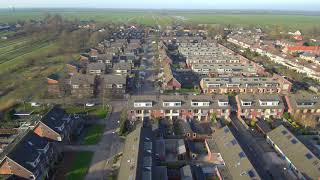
x=284, y=132
x=75, y=86
x=309, y=156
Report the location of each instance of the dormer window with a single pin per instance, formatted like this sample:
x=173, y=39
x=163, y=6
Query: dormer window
x=142, y=104
x=268, y=103
x=45, y=149
x=200, y=104
x=61, y=127
x=305, y=103
x=223, y=103
x=172, y=104
x=35, y=162
x=246, y=103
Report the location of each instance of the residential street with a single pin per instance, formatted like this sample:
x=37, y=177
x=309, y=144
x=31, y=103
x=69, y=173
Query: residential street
x=148, y=85
x=258, y=156
x=110, y=145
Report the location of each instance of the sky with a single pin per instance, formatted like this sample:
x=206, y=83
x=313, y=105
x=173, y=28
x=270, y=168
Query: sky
x=313, y=5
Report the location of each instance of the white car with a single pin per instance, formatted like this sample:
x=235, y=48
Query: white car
x=35, y=104
x=90, y=104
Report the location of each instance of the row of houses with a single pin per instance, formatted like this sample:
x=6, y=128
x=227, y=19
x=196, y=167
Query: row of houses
x=103, y=71
x=311, y=71
x=203, y=107
x=33, y=154
x=234, y=84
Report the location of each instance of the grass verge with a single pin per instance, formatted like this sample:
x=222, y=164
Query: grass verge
x=80, y=166
x=94, y=134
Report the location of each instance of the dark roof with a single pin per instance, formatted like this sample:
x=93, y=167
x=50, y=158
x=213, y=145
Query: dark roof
x=296, y=152
x=27, y=150
x=54, y=76
x=53, y=119
x=114, y=79
x=75, y=64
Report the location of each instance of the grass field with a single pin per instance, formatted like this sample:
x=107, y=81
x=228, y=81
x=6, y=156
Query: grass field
x=97, y=111
x=18, y=79
x=94, y=134
x=79, y=166
x=300, y=21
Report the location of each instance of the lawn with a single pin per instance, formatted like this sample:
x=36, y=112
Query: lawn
x=97, y=111
x=93, y=134
x=80, y=166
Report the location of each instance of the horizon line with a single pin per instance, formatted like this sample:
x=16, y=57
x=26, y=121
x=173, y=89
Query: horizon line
x=158, y=9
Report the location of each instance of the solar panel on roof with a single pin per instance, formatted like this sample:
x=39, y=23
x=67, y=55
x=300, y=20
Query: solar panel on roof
x=251, y=173
x=242, y=155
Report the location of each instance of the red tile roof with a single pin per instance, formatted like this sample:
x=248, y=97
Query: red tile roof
x=303, y=48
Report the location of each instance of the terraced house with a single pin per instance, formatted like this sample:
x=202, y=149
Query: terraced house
x=302, y=162
x=198, y=107
x=29, y=157
x=213, y=70
x=82, y=85
x=114, y=85
x=259, y=106
x=221, y=85
x=304, y=107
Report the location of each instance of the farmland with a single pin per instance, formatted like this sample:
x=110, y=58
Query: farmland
x=294, y=20
x=22, y=71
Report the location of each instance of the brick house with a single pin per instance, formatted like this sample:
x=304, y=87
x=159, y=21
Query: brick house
x=29, y=157
x=259, y=106
x=122, y=68
x=96, y=68
x=169, y=80
x=299, y=49
x=53, y=82
x=114, y=85
x=197, y=107
x=304, y=107
x=222, y=85
x=56, y=125
x=93, y=53
x=74, y=67
x=82, y=85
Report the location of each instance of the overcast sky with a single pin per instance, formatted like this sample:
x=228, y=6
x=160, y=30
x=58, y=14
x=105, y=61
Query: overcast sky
x=168, y=4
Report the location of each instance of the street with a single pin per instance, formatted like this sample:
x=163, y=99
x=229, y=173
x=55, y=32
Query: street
x=147, y=85
x=110, y=145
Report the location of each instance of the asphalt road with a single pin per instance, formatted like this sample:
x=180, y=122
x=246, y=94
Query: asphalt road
x=110, y=145
x=148, y=85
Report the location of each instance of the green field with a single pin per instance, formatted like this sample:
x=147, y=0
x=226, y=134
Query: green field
x=94, y=134
x=300, y=21
x=24, y=64
x=96, y=111
x=79, y=166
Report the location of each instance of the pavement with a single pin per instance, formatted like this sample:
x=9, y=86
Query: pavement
x=110, y=145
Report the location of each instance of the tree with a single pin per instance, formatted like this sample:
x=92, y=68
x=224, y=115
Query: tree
x=213, y=119
x=286, y=115
x=123, y=120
